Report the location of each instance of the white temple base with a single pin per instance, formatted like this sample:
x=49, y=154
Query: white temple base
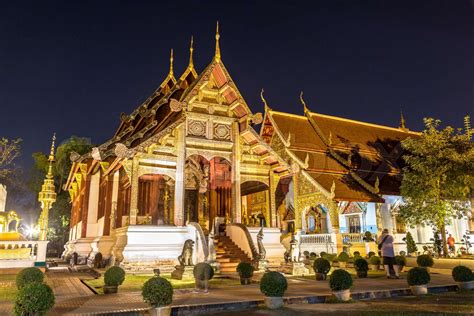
x=271, y=241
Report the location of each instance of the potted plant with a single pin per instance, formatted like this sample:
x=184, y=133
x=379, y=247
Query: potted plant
x=34, y=298
x=273, y=285
x=113, y=277
x=418, y=279
x=28, y=276
x=158, y=292
x=401, y=262
x=464, y=277
x=245, y=271
x=425, y=261
x=203, y=272
x=321, y=267
x=362, y=266
x=343, y=258
x=370, y=254
x=411, y=245
x=374, y=262
x=340, y=282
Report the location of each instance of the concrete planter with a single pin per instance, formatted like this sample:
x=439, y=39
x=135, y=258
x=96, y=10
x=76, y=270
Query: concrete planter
x=419, y=289
x=374, y=267
x=320, y=276
x=202, y=284
x=274, y=302
x=342, y=264
x=343, y=295
x=245, y=281
x=110, y=289
x=469, y=285
x=161, y=311
x=361, y=274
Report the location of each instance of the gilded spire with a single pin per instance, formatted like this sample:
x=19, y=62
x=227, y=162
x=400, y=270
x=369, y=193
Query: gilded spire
x=306, y=110
x=191, y=50
x=217, y=56
x=170, y=76
x=171, y=73
x=402, y=120
x=51, y=158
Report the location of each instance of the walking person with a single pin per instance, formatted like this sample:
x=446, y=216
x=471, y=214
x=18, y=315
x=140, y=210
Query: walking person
x=385, y=245
x=451, y=244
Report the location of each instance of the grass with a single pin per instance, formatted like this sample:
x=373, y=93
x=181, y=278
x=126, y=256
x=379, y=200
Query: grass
x=134, y=283
x=7, y=288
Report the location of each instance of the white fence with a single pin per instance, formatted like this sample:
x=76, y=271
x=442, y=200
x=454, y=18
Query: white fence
x=24, y=253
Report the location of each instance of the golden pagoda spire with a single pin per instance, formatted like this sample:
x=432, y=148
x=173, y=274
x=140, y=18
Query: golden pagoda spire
x=171, y=73
x=217, y=55
x=306, y=110
x=47, y=196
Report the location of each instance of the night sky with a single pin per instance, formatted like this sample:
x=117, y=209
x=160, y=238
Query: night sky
x=73, y=66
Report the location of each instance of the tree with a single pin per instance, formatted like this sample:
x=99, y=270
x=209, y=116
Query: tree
x=411, y=245
x=59, y=215
x=438, y=176
x=9, y=150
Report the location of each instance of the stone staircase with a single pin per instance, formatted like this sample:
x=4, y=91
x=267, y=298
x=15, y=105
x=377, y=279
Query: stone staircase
x=228, y=254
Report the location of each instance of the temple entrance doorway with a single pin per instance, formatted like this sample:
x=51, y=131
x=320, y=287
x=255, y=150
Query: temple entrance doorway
x=315, y=220
x=208, y=190
x=155, y=205
x=255, y=204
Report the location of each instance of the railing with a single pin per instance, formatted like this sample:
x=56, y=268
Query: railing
x=316, y=239
x=23, y=250
x=352, y=238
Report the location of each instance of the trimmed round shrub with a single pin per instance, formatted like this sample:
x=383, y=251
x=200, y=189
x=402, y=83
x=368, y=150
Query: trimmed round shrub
x=371, y=254
x=313, y=256
x=321, y=265
x=375, y=260
x=273, y=284
x=34, y=299
x=361, y=265
x=157, y=292
x=203, y=271
x=462, y=274
x=340, y=280
x=401, y=261
x=343, y=257
x=424, y=261
x=322, y=254
x=29, y=275
x=306, y=254
x=356, y=254
x=114, y=276
x=418, y=276
x=245, y=270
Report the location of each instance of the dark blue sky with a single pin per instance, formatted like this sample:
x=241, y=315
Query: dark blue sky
x=73, y=66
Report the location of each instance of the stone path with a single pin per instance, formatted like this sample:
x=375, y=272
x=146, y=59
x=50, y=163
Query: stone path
x=298, y=287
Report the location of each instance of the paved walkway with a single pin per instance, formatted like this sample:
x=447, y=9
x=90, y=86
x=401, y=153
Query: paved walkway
x=297, y=287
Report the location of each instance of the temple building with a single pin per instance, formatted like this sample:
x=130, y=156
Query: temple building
x=193, y=162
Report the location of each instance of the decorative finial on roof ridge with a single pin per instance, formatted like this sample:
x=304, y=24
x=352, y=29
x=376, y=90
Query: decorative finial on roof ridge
x=264, y=101
x=191, y=50
x=402, y=121
x=171, y=73
x=306, y=110
x=217, y=56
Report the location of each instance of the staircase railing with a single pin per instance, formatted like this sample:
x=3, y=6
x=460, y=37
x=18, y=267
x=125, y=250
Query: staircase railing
x=240, y=235
x=200, y=239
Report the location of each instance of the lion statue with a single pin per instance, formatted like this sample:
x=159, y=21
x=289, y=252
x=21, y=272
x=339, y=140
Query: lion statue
x=186, y=257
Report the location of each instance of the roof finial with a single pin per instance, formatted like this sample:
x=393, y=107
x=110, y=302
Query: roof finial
x=171, y=74
x=402, y=120
x=191, y=50
x=263, y=100
x=217, y=56
x=306, y=110
x=51, y=159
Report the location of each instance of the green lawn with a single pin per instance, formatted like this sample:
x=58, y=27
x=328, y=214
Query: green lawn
x=134, y=283
x=7, y=288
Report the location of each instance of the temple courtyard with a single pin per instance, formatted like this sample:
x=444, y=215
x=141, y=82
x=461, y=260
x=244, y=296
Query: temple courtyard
x=79, y=293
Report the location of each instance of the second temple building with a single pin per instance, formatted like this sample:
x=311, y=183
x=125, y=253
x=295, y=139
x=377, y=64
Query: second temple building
x=194, y=163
